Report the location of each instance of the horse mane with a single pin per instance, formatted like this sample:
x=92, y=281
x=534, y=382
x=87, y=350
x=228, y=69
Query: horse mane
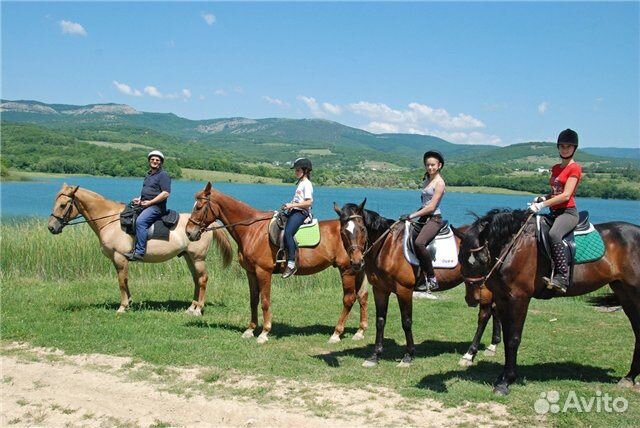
x=375, y=222
x=499, y=225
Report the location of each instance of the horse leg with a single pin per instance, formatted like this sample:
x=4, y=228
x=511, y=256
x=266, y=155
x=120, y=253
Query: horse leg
x=264, y=285
x=630, y=300
x=483, y=318
x=362, y=293
x=381, y=298
x=254, y=295
x=513, y=313
x=198, y=270
x=495, y=335
x=405, y=301
x=348, y=299
x=122, y=270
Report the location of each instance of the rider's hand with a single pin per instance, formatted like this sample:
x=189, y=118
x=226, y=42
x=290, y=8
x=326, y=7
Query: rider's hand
x=539, y=199
x=404, y=217
x=135, y=201
x=536, y=207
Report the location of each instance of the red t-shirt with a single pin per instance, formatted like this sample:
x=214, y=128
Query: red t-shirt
x=559, y=177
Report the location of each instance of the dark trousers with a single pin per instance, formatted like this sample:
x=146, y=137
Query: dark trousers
x=426, y=235
x=145, y=219
x=295, y=219
x=565, y=220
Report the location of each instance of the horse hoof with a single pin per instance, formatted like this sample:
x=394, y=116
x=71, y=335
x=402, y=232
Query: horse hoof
x=501, y=390
x=263, y=338
x=489, y=353
x=625, y=382
x=406, y=361
x=368, y=363
x=122, y=309
x=335, y=338
x=248, y=334
x=463, y=362
x=358, y=336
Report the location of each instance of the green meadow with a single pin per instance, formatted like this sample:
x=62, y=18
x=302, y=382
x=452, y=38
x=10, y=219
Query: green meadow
x=61, y=292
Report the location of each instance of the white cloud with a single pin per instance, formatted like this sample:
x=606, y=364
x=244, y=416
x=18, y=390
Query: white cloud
x=320, y=110
x=542, y=107
x=126, y=89
x=220, y=92
x=381, y=128
x=153, y=91
x=72, y=28
x=209, y=18
x=186, y=93
x=275, y=101
x=332, y=108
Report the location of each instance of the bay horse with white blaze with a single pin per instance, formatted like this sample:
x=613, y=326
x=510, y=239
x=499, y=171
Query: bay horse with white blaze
x=256, y=254
x=103, y=216
x=510, y=237
x=376, y=244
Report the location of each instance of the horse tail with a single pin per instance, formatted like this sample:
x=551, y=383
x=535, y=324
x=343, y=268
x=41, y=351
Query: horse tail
x=222, y=241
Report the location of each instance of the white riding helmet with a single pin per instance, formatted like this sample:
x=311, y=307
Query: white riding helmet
x=156, y=153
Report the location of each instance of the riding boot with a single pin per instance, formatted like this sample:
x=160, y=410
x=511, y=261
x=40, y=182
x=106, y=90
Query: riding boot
x=560, y=279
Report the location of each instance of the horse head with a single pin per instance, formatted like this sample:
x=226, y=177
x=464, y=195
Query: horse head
x=474, y=256
x=353, y=232
x=64, y=209
x=202, y=214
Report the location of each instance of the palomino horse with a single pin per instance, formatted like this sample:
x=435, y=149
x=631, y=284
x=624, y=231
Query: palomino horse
x=510, y=237
x=373, y=242
x=103, y=216
x=256, y=254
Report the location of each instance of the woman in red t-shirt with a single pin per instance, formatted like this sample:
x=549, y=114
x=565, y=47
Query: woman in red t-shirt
x=564, y=180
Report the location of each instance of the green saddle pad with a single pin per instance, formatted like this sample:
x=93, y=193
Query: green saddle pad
x=589, y=247
x=308, y=235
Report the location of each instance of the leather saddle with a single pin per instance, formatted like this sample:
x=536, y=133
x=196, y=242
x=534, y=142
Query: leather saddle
x=443, y=248
x=158, y=230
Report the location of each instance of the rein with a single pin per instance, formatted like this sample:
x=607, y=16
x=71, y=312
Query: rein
x=246, y=222
x=386, y=232
x=65, y=222
x=499, y=260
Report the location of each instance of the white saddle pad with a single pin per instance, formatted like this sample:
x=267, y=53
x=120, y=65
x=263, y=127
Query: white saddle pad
x=446, y=249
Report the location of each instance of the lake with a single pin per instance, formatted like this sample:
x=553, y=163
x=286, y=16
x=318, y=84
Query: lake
x=35, y=199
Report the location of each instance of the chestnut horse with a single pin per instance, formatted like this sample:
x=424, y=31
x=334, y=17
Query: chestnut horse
x=376, y=244
x=103, y=216
x=256, y=254
x=517, y=277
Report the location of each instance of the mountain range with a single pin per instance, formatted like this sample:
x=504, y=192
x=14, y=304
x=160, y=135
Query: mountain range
x=280, y=140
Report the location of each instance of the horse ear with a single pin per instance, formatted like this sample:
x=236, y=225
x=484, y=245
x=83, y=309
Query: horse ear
x=75, y=190
x=457, y=232
x=337, y=209
x=361, y=206
x=207, y=188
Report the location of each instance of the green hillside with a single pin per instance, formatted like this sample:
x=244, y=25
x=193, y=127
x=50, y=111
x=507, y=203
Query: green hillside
x=112, y=139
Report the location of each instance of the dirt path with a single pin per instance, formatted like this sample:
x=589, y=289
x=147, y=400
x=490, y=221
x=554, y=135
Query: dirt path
x=42, y=387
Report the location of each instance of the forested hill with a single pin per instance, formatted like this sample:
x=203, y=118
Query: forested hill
x=112, y=139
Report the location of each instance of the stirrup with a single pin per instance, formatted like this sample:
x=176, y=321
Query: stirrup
x=281, y=256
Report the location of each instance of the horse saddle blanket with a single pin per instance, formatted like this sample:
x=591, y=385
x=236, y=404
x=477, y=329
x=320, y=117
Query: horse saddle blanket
x=583, y=245
x=308, y=235
x=443, y=248
x=158, y=230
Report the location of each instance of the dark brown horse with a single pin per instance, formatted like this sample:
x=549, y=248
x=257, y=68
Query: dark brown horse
x=375, y=243
x=256, y=254
x=510, y=236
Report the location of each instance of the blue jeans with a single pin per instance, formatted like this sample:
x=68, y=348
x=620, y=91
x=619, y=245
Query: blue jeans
x=145, y=219
x=296, y=219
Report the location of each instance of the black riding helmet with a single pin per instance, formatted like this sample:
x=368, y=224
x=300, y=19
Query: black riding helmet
x=568, y=136
x=302, y=163
x=433, y=154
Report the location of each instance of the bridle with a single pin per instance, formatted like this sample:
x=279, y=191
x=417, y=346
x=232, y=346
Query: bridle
x=474, y=281
x=208, y=207
x=65, y=219
x=353, y=247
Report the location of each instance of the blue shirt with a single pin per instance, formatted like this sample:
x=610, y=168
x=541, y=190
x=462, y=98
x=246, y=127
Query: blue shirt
x=154, y=184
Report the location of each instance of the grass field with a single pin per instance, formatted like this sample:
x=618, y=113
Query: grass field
x=60, y=292
x=227, y=177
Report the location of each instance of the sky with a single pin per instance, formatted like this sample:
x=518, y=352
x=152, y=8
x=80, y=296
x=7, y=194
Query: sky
x=496, y=73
